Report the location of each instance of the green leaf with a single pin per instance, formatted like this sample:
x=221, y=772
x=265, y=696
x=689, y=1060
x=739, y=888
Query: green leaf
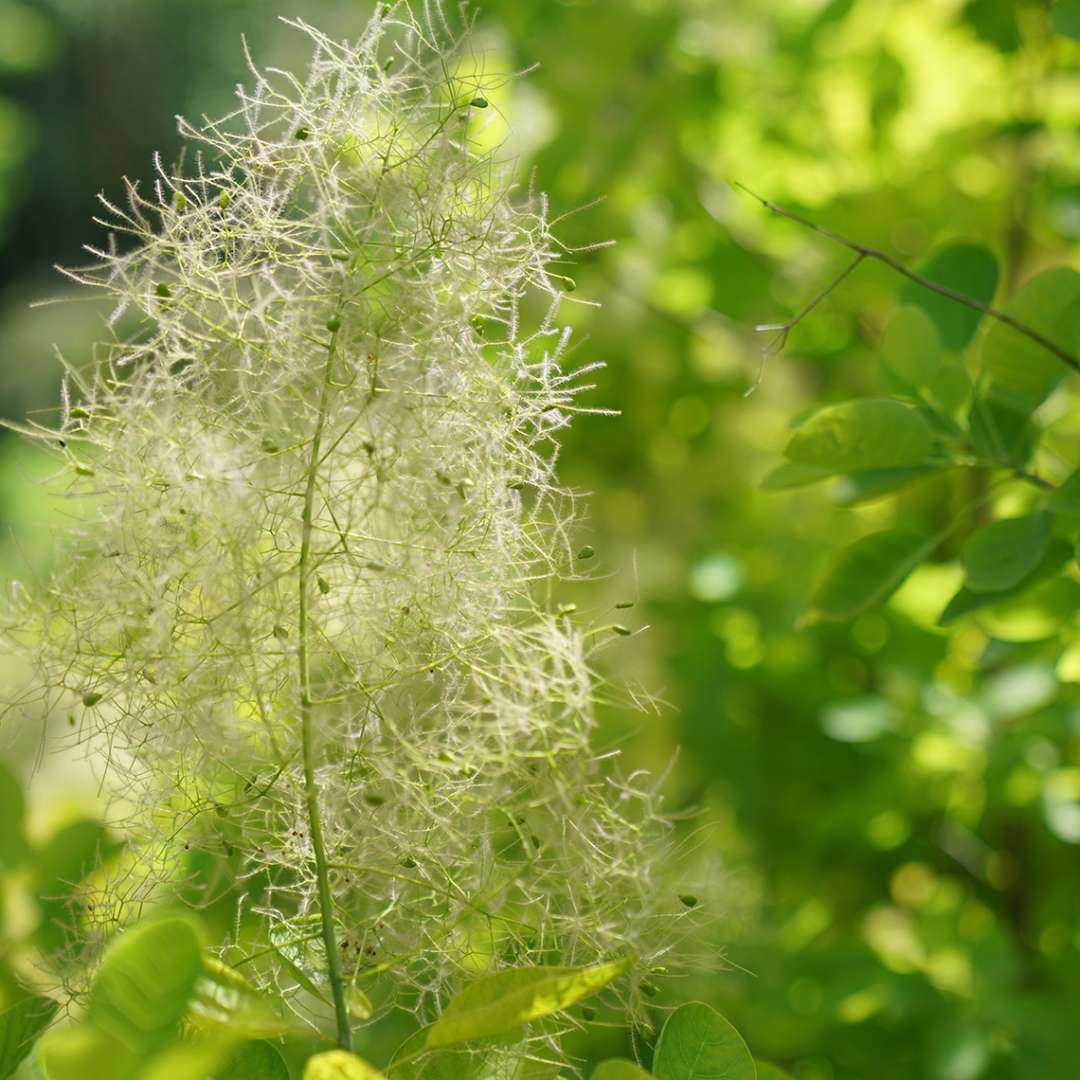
x=911, y=346
x=81, y=1052
x=13, y=848
x=767, y=1071
x=872, y=433
x=619, y=1069
x=340, y=1065
x=68, y=857
x=965, y=268
x=256, y=1061
x=861, y=487
x=1065, y=18
x=1066, y=498
x=697, y=1043
x=147, y=979
x=19, y=1027
x=190, y=1060
x=1021, y=372
x=509, y=999
x=787, y=476
x=966, y=601
x=1003, y=553
x=503, y=1057
x=867, y=573
x=225, y=1001
x=1000, y=432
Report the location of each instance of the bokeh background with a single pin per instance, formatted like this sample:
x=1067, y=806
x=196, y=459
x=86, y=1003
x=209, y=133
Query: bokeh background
x=897, y=807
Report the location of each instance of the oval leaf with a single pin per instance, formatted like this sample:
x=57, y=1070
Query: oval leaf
x=873, y=433
x=1003, y=553
x=509, y=999
x=697, y=1043
x=13, y=849
x=19, y=1027
x=256, y=1061
x=967, y=601
x=619, y=1069
x=787, y=476
x=966, y=268
x=911, y=346
x=1019, y=370
x=146, y=981
x=867, y=573
x=340, y=1065
x=1065, y=18
x=1066, y=499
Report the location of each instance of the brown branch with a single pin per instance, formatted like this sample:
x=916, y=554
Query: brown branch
x=863, y=252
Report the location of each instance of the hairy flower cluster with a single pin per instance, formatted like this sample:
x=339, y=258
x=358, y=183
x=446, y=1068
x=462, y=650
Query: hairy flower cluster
x=319, y=525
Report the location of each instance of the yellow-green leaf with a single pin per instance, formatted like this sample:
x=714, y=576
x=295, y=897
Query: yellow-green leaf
x=340, y=1065
x=509, y=999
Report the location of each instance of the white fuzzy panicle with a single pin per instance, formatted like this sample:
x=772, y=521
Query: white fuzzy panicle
x=318, y=474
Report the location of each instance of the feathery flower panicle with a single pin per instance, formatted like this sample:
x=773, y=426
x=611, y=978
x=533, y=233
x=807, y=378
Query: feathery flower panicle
x=302, y=620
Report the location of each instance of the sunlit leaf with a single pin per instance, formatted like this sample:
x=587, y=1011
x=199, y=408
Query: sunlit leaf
x=20, y=1025
x=911, y=346
x=225, y=1000
x=871, y=433
x=147, y=979
x=619, y=1069
x=965, y=268
x=1000, y=432
x=509, y=999
x=80, y=1052
x=697, y=1043
x=866, y=573
x=1020, y=371
x=1000, y=555
x=340, y=1065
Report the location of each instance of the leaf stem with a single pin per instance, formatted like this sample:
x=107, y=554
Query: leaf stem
x=311, y=787
x=863, y=252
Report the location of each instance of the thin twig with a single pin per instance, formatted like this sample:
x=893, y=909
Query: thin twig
x=864, y=252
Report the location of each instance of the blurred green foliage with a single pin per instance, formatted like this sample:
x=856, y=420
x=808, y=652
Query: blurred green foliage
x=898, y=802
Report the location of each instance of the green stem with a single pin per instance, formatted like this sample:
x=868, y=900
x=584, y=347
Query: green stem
x=311, y=787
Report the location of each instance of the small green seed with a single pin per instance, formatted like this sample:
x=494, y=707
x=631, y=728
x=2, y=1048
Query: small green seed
x=163, y=291
x=479, y=102
x=650, y=989
x=587, y=552
x=516, y=485
x=79, y=413
x=688, y=900
x=333, y=324
x=588, y=1013
x=269, y=445
x=324, y=585
x=374, y=800
x=622, y=605
x=84, y=470
x=224, y=200
x=303, y=134
x=569, y=284
x=91, y=698
x=409, y=862
x=281, y=633
x=180, y=201
x=567, y=609
x=622, y=631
